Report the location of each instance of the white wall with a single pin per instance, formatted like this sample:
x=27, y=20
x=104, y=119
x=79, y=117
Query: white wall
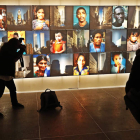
x=70, y=2
x=60, y=83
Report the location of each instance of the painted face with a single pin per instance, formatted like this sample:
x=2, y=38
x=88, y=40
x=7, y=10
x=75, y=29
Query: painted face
x=81, y=15
x=42, y=65
x=133, y=38
x=58, y=37
x=119, y=15
x=118, y=59
x=40, y=14
x=97, y=39
x=81, y=61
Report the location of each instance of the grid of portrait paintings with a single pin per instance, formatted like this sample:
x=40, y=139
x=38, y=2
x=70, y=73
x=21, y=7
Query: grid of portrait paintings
x=73, y=40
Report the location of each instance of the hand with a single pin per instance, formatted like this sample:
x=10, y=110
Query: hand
x=58, y=42
x=57, y=52
x=22, y=47
x=51, y=42
x=47, y=22
x=39, y=27
x=1, y=26
x=118, y=68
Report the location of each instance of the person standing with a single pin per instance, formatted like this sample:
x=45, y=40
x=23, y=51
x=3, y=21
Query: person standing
x=133, y=80
x=8, y=57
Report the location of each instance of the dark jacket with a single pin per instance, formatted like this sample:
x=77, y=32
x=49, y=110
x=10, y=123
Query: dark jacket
x=8, y=57
x=134, y=77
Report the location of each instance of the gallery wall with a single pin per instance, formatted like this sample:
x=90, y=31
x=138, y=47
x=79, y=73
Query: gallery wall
x=61, y=82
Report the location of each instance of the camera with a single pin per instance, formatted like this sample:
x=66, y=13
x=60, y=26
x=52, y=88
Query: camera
x=21, y=58
x=20, y=40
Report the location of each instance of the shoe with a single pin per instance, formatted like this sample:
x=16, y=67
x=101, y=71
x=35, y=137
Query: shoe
x=1, y=115
x=17, y=105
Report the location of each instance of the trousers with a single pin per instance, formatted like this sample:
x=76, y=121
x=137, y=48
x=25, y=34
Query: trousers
x=12, y=88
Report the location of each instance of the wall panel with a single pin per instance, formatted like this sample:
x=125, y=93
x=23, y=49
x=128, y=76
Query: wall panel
x=90, y=2
x=61, y=83
x=107, y=80
x=108, y=2
x=127, y=2
x=121, y=79
x=52, y=82
x=29, y=2
x=49, y=2
x=9, y=2
x=72, y=2
x=88, y=81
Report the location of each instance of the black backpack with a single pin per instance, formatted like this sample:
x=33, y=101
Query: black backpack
x=49, y=100
x=132, y=101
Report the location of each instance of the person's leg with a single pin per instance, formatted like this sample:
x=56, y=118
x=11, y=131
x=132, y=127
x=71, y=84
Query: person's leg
x=12, y=88
x=2, y=87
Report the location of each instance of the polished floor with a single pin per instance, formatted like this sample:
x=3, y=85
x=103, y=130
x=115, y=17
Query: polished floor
x=92, y=114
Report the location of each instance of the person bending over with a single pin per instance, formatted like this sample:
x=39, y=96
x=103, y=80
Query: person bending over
x=8, y=57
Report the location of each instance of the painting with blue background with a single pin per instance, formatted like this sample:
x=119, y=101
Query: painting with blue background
x=123, y=61
x=101, y=13
x=29, y=37
x=46, y=37
x=3, y=36
x=75, y=19
x=119, y=35
x=14, y=11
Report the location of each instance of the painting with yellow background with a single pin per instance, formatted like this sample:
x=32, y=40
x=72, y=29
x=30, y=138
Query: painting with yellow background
x=21, y=34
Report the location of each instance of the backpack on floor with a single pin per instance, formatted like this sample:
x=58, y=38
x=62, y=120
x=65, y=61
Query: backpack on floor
x=49, y=100
x=132, y=101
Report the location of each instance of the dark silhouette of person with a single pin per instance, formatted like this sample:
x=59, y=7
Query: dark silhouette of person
x=134, y=77
x=8, y=57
